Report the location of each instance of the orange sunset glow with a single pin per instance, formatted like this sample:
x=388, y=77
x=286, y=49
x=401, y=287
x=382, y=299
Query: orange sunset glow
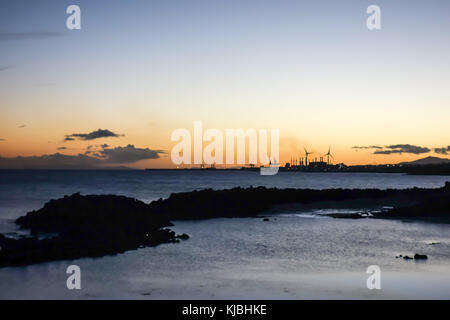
x=347, y=87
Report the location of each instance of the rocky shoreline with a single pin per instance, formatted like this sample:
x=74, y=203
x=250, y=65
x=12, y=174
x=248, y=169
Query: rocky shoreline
x=248, y=202
x=79, y=226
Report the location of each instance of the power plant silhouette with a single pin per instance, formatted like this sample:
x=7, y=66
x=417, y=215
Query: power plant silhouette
x=304, y=164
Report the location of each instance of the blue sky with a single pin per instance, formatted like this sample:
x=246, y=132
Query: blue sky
x=145, y=68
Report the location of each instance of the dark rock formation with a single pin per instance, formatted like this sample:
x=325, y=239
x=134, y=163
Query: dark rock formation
x=183, y=236
x=434, y=206
x=437, y=207
x=93, y=214
x=416, y=257
x=85, y=226
x=247, y=202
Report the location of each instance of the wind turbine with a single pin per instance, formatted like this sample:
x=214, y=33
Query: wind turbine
x=328, y=154
x=307, y=153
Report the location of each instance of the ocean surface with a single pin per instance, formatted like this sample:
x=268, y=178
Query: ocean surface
x=296, y=255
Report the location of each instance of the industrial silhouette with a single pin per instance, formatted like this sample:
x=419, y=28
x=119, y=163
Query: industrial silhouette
x=305, y=164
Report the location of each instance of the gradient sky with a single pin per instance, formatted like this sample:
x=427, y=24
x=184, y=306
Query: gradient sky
x=145, y=68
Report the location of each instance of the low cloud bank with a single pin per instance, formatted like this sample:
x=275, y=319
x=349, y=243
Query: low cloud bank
x=401, y=148
x=101, y=158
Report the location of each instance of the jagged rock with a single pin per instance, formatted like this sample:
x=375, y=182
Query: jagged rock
x=249, y=202
x=183, y=236
x=85, y=226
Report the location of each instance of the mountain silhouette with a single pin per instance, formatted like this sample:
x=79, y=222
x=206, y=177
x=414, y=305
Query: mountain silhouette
x=427, y=160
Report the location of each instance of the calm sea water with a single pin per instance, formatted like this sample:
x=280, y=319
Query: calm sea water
x=294, y=255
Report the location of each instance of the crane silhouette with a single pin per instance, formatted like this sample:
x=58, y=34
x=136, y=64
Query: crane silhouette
x=328, y=154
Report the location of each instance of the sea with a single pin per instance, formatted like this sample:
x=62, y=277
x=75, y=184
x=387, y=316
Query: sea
x=295, y=255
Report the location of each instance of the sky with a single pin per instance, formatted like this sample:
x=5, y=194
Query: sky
x=112, y=92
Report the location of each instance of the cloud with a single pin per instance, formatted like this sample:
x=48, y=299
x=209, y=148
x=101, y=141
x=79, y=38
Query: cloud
x=100, y=133
x=442, y=150
x=95, y=159
x=403, y=148
x=387, y=151
x=61, y=148
x=2, y=139
x=11, y=36
x=6, y=67
x=53, y=161
x=128, y=154
x=21, y=126
x=395, y=149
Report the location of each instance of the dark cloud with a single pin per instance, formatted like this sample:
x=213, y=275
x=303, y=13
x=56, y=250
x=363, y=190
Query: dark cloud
x=61, y=148
x=403, y=148
x=387, y=151
x=128, y=154
x=2, y=139
x=96, y=159
x=10, y=36
x=100, y=133
x=21, y=126
x=395, y=149
x=443, y=150
x=6, y=67
x=367, y=147
x=53, y=161
x=89, y=150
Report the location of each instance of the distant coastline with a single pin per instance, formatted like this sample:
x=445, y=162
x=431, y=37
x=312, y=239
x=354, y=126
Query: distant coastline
x=425, y=166
x=432, y=169
x=440, y=170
